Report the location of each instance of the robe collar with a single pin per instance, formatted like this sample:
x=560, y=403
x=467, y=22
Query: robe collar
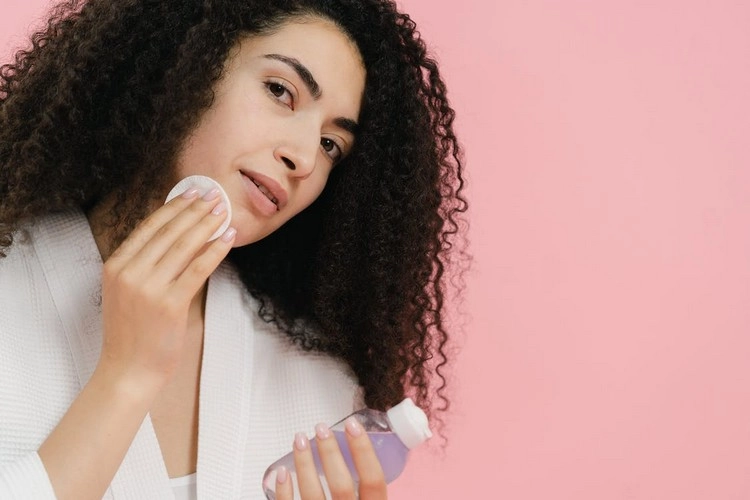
x=72, y=267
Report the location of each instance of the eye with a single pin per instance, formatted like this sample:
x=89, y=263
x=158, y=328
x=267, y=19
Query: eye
x=332, y=149
x=280, y=93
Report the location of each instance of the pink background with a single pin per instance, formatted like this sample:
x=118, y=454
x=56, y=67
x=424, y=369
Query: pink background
x=606, y=351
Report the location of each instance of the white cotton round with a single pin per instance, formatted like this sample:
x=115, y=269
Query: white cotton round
x=204, y=184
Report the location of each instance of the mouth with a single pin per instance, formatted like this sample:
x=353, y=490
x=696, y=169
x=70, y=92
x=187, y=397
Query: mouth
x=263, y=189
x=269, y=188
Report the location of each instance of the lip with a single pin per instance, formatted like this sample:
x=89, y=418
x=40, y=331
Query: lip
x=271, y=185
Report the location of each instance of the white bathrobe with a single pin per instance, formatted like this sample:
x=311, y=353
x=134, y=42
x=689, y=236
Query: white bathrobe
x=256, y=389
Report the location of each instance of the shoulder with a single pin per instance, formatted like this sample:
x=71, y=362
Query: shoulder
x=45, y=247
x=20, y=275
x=283, y=365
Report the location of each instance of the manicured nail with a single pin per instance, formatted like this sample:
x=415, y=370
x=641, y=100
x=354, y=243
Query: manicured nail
x=219, y=209
x=190, y=193
x=300, y=441
x=211, y=195
x=228, y=235
x=281, y=475
x=353, y=427
x=322, y=431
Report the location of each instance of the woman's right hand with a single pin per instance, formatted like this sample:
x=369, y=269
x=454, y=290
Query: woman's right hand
x=149, y=282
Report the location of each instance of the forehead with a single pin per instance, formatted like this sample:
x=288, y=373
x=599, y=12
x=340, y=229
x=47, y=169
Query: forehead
x=320, y=45
x=309, y=33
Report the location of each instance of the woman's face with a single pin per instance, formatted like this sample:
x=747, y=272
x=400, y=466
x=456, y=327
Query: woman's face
x=283, y=116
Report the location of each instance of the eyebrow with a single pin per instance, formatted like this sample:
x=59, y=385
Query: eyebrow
x=349, y=125
x=301, y=71
x=307, y=78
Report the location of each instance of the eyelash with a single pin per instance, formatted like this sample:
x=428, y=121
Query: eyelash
x=335, y=159
x=282, y=89
x=280, y=86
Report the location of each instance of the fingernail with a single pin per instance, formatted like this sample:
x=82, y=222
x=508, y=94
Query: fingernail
x=228, y=235
x=281, y=475
x=219, y=209
x=211, y=195
x=353, y=427
x=190, y=193
x=322, y=431
x=300, y=441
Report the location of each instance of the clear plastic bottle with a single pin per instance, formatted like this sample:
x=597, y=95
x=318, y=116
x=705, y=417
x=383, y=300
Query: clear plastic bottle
x=393, y=434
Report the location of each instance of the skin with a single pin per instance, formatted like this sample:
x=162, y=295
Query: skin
x=267, y=121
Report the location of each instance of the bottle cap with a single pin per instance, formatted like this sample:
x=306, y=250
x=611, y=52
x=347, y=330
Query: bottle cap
x=409, y=423
x=204, y=184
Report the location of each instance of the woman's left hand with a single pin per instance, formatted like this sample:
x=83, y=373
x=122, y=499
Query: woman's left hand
x=371, y=485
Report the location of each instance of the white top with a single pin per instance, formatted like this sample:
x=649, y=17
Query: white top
x=184, y=488
x=256, y=389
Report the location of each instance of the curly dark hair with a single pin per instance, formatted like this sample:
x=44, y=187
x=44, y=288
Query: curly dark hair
x=104, y=99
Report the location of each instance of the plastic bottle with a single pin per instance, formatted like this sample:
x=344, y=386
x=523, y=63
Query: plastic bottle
x=393, y=434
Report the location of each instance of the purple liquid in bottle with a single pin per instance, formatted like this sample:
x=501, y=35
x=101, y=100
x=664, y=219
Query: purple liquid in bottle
x=390, y=450
x=391, y=453
x=392, y=433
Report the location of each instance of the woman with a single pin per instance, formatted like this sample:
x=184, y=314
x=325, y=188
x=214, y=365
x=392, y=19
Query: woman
x=132, y=352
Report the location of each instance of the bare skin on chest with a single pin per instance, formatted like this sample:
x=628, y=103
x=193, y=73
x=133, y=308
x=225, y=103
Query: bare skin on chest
x=174, y=414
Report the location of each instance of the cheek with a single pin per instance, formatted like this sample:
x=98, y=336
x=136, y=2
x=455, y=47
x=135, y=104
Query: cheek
x=202, y=147
x=227, y=127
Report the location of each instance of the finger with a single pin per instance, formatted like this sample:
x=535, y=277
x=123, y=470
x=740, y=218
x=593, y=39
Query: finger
x=340, y=482
x=371, y=478
x=198, y=271
x=185, y=230
x=185, y=250
x=307, y=475
x=149, y=226
x=284, y=488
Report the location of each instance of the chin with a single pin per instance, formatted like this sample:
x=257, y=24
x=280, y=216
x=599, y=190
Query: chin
x=252, y=228
x=243, y=239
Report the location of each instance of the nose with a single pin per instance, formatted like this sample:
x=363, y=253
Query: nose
x=298, y=150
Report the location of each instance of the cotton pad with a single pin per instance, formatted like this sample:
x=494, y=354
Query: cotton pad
x=204, y=184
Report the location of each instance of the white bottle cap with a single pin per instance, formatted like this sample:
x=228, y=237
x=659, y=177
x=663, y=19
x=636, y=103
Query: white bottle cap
x=409, y=423
x=204, y=184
